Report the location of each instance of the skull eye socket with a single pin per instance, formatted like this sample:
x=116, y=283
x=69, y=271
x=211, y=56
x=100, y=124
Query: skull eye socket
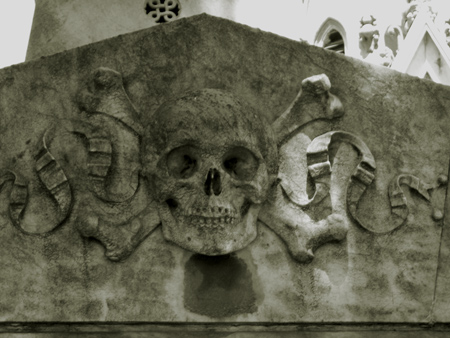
x=182, y=162
x=241, y=163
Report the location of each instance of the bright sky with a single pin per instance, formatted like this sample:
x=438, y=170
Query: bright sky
x=16, y=17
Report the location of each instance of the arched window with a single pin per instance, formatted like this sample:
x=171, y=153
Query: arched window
x=334, y=42
x=331, y=36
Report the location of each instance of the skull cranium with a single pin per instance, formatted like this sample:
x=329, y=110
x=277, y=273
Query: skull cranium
x=211, y=161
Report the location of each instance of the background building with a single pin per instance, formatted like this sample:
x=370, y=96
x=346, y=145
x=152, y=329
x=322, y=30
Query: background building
x=410, y=36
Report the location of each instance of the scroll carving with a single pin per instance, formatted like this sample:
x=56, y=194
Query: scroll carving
x=108, y=108
x=114, y=208
x=53, y=179
x=398, y=200
x=399, y=203
x=119, y=217
x=286, y=212
x=304, y=237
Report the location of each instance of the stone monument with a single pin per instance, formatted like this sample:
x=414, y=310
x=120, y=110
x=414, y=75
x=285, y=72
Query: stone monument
x=202, y=178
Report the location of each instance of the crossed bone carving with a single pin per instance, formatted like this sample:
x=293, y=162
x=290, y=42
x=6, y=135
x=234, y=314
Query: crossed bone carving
x=118, y=208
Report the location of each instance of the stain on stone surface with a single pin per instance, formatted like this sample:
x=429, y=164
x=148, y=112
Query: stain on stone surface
x=218, y=286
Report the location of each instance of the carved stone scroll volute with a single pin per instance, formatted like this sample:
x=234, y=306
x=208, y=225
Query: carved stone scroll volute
x=53, y=179
x=122, y=214
x=113, y=160
x=400, y=210
x=287, y=212
x=114, y=206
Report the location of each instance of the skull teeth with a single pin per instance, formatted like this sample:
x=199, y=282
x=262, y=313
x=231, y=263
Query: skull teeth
x=215, y=217
x=212, y=222
x=211, y=212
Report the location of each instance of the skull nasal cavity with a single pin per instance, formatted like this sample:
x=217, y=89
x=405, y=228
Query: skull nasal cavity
x=212, y=183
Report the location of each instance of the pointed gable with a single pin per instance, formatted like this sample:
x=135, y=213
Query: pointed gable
x=424, y=52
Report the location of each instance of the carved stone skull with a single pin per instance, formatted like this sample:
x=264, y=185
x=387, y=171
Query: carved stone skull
x=210, y=160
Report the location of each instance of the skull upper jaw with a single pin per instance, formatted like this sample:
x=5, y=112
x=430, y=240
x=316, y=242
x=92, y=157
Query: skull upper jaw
x=210, y=239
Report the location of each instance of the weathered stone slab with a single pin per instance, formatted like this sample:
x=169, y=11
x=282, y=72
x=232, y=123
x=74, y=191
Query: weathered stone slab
x=329, y=211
